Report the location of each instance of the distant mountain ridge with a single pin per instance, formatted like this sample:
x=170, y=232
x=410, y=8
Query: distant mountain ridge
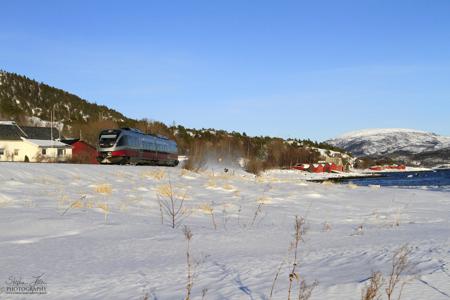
x=407, y=145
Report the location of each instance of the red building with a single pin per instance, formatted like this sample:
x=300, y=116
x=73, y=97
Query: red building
x=396, y=167
x=301, y=167
x=389, y=167
x=328, y=167
x=82, y=152
x=319, y=167
x=316, y=168
x=332, y=167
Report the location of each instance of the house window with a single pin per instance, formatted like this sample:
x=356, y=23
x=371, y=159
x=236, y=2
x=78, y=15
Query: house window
x=16, y=152
x=44, y=151
x=2, y=152
x=60, y=152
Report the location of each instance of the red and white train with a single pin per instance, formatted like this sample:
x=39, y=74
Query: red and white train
x=132, y=146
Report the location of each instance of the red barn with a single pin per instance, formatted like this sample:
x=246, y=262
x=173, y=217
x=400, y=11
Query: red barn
x=316, y=168
x=328, y=167
x=377, y=168
x=301, y=167
x=396, y=167
x=82, y=152
x=332, y=167
x=339, y=168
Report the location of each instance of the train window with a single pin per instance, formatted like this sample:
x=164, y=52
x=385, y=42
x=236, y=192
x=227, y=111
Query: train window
x=122, y=141
x=133, y=141
x=107, y=140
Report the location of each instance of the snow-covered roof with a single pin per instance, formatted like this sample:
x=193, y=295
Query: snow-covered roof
x=47, y=143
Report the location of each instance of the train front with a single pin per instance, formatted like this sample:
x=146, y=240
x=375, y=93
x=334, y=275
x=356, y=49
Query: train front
x=107, y=147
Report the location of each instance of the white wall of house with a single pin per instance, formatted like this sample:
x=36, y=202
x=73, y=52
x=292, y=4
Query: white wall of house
x=18, y=150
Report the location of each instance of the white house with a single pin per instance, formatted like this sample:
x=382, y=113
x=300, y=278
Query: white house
x=33, y=144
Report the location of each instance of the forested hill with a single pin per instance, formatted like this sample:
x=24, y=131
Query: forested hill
x=21, y=96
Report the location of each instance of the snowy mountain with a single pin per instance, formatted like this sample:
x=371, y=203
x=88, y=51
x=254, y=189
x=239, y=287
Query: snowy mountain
x=405, y=144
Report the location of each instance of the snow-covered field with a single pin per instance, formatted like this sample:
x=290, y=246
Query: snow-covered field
x=95, y=232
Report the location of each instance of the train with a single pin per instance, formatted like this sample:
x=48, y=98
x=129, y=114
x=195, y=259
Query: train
x=132, y=146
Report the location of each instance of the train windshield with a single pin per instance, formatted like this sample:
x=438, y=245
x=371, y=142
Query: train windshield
x=107, y=140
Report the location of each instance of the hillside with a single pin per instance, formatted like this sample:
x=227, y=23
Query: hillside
x=405, y=145
x=21, y=96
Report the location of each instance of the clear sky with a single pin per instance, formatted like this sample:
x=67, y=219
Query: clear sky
x=307, y=69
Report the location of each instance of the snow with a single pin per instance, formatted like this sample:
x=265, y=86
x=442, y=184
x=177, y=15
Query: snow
x=38, y=122
x=378, y=131
x=351, y=232
x=46, y=143
x=7, y=123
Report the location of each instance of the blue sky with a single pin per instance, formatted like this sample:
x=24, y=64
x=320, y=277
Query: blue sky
x=307, y=69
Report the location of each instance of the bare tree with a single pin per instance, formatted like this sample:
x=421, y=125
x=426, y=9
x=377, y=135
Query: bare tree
x=400, y=265
x=172, y=206
x=298, y=234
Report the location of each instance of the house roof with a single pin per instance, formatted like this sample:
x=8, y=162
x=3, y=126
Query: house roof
x=70, y=141
x=40, y=133
x=13, y=132
x=47, y=143
x=10, y=132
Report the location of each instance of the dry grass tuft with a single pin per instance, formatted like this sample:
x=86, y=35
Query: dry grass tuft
x=155, y=174
x=184, y=172
x=211, y=183
x=373, y=290
x=394, y=282
x=78, y=204
x=264, y=200
x=228, y=187
x=305, y=290
x=105, y=208
x=352, y=186
x=326, y=227
x=165, y=190
x=105, y=189
x=208, y=209
x=4, y=202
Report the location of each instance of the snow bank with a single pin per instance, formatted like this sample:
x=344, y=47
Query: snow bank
x=95, y=232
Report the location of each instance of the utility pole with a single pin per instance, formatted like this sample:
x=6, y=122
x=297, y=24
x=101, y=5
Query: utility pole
x=51, y=128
